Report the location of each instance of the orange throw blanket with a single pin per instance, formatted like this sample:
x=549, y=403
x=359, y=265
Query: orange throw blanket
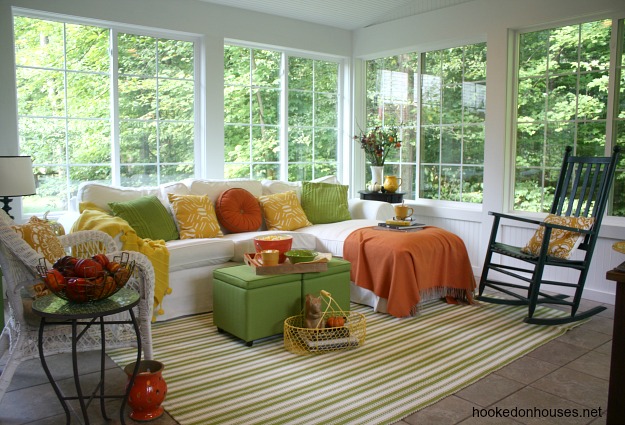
x=408, y=267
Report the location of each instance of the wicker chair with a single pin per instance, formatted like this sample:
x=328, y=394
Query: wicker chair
x=18, y=341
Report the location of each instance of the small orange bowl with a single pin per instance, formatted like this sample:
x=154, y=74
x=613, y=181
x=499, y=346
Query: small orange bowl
x=280, y=242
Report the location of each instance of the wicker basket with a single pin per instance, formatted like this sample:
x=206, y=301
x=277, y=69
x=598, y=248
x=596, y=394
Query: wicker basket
x=302, y=340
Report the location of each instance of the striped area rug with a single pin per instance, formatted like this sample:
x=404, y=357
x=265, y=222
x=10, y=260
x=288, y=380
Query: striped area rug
x=404, y=365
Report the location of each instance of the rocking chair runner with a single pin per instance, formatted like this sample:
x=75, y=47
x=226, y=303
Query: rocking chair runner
x=18, y=340
x=582, y=191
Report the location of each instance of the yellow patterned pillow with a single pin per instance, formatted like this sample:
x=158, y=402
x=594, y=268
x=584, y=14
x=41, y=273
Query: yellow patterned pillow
x=195, y=215
x=40, y=236
x=283, y=211
x=562, y=242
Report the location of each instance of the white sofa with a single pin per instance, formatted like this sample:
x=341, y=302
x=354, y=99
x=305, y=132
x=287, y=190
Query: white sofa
x=192, y=261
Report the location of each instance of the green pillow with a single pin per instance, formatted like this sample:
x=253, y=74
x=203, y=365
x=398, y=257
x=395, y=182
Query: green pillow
x=148, y=217
x=325, y=202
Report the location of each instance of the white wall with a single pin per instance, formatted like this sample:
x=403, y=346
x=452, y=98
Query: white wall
x=495, y=22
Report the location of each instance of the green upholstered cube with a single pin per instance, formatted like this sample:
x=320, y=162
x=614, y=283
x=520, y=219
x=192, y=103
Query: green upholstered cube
x=252, y=307
x=335, y=280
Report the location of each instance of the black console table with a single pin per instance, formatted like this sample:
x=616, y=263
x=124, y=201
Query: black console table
x=391, y=197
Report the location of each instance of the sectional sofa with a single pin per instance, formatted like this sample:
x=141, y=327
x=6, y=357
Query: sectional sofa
x=193, y=260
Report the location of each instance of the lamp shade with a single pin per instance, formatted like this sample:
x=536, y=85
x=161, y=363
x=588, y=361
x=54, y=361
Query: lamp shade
x=16, y=176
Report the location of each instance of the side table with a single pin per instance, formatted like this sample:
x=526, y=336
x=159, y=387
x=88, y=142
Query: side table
x=390, y=197
x=616, y=391
x=55, y=311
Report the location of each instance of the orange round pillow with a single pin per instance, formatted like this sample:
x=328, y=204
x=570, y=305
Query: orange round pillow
x=238, y=211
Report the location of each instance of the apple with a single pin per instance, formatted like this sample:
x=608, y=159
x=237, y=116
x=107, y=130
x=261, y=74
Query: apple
x=121, y=276
x=109, y=286
x=76, y=289
x=88, y=268
x=113, y=266
x=101, y=258
x=55, y=280
x=65, y=263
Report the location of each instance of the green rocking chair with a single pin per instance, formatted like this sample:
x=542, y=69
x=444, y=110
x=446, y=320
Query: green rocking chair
x=582, y=191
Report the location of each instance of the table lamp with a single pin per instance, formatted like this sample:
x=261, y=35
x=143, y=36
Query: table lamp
x=16, y=179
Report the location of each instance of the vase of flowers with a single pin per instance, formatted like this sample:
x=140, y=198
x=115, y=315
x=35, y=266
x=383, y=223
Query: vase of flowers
x=377, y=175
x=377, y=144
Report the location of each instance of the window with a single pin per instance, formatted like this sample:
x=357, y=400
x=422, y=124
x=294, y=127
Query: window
x=439, y=99
x=617, y=207
x=453, y=113
x=80, y=124
x=281, y=115
x=563, y=86
x=392, y=100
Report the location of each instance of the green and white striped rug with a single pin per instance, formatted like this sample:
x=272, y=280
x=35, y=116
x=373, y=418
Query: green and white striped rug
x=404, y=365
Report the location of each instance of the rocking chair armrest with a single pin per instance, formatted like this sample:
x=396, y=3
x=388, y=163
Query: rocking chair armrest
x=514, y=217
x=567, y=228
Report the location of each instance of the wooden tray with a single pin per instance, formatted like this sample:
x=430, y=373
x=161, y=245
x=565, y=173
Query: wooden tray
x=320, y=265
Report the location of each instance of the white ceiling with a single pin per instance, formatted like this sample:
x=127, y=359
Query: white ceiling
x=345, y=14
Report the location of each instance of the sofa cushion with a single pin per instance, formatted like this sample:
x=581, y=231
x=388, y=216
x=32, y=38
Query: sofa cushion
x=186, y=254
x=39, y=235
x=238, y=211
x=562, y=243
x=330, y=237
x=214, y=188
x=195, y=216
x=271, y=187
x=101, y=194
x=325, y=202
x=283, y=211
x=148, y=217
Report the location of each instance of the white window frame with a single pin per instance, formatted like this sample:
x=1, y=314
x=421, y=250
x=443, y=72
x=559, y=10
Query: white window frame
x=341, y=98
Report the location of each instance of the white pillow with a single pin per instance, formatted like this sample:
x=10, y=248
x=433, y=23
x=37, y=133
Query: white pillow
x=101, y=194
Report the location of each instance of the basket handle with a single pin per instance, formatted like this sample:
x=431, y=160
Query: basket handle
x=325, y=293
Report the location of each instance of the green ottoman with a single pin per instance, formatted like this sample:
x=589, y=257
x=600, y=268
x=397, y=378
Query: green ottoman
x=252, y=307
x=335, y=280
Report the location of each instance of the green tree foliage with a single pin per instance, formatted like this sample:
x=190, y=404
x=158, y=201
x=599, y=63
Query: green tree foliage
x=253, y=92
x=562, y=100
x=65, y=108
x=451, y=107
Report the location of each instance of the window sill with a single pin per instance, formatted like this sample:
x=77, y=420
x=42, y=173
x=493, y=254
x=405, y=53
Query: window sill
x=446, y=209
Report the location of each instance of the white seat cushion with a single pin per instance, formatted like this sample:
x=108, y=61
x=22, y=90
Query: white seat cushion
x=330, y=236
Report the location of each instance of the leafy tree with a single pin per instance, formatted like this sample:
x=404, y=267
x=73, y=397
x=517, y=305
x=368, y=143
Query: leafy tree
x=64, y=105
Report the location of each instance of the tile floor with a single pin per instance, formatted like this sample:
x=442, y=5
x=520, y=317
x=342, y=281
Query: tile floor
x=570, y=372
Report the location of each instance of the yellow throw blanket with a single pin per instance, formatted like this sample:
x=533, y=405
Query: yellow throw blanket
x=94, y=218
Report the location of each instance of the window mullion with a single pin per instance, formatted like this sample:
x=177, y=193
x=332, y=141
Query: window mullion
x=66, y=106
x=284, y=119
x=613, y=85
x=115, y=119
